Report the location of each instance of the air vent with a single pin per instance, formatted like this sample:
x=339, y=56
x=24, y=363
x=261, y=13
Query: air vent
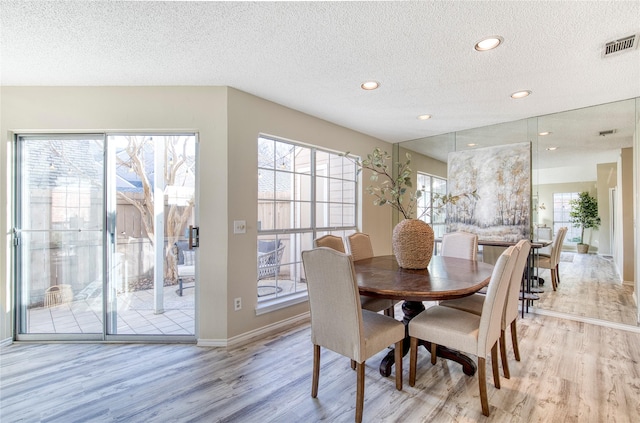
x=618, y=46
x=609, y=132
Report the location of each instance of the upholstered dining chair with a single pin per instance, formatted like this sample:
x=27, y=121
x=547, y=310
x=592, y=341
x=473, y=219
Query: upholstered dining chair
x=368, y=303
x=360, y=248
x=474, y=303
x=339, y=323
x=552, y=260
x=467, y=332
x=460, y=245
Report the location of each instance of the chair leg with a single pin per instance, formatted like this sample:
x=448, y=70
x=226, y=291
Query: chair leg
x=316, y=371
x=558, y=274
x=503, y=355
x=359, y=391
x=494, y=365
x=391, y=312
x=353, y=364
x=482, y=383
x=180, y=287
x=398, y=359
x=514, y=340
x=413, y=357
x=434, y=349
x=553, y=279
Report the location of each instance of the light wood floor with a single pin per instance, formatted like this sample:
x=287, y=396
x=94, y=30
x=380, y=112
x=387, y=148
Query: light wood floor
x=590, y=287
x=570, y=372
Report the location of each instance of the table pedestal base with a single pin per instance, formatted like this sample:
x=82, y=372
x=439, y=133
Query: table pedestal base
x=411, y=309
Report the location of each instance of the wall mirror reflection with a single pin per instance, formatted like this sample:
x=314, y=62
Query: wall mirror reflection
x=585, y=150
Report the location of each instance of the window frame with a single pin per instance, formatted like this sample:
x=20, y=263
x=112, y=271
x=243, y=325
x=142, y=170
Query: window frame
x=440, y=226
x=301, y=230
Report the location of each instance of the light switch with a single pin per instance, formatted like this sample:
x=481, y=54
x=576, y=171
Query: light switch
x=239, y=226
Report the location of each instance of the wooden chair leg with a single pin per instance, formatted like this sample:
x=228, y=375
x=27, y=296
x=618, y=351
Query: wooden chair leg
x=316, y=371
x=413, y=357
x=482, y=383
x=353, y=364
x=514, y=340
x=553, y=279
x=398, y=359
x=359, y=391
x=390, y=312
x=494, y=365
x=503, y=355
x=558, y=274
x=434, y=349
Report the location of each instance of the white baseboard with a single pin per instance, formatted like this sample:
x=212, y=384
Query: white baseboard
x=254, y=334
x=589, y=320
x=6, y=342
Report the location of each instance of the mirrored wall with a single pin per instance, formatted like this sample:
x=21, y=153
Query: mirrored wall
x=588, y=149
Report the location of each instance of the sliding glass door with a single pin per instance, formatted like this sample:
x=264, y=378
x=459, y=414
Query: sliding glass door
x=101, y=223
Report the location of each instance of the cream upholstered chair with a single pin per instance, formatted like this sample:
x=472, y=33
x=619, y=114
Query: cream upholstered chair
x=330, y=241
x=552, y=261
x=474, y=303
x=467, y=332
x=360, y=248
x=368, y=303
x=460, y=245
x=339, y=323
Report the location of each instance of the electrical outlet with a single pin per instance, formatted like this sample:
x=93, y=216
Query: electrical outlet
x=239, y=226
x=237, y=304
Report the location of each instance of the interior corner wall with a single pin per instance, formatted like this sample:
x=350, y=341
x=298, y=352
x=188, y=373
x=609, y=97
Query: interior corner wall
x=607, y=179
x=135, y=109
x=628, y=236
x=250, y=116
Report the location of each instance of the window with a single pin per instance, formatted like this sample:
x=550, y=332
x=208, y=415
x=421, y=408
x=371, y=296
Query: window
x=561, y=210
x=430, y=185
x=303, y=193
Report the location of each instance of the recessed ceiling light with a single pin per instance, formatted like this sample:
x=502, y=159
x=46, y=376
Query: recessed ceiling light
x=472, y=144
x=542, y=134
x=489, y=43
x=521, y=94
x=424, y=117
x=552, y=148
x=370, y=85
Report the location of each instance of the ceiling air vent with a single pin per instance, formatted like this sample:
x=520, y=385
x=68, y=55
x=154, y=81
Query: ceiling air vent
x=609, y=132
x=618, y=46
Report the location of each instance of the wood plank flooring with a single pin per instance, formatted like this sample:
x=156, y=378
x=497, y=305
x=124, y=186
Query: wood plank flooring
x=590, y=287
x=570, y=372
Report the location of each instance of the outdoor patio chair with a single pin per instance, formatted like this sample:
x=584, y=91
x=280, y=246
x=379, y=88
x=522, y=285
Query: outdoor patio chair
x=185, y=263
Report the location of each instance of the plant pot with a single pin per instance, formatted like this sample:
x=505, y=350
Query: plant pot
x=583, y=248
x=413, y=244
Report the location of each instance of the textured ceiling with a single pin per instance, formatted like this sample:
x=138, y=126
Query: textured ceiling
x=312, y=56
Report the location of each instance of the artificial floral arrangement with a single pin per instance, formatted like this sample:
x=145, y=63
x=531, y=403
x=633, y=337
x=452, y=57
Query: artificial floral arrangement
x=396, y=192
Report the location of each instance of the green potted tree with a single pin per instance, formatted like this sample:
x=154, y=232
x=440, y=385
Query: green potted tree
x=584, y=214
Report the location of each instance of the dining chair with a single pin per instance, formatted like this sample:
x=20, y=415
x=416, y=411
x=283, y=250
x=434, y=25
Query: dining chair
x=360, y=248
x=368, y=303
x=474, y=303
x=338, y=321
x=460, y=245
x=467, y=332
x=552, y=260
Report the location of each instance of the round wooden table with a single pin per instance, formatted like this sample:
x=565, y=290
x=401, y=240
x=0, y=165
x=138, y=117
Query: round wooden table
x=446, y=278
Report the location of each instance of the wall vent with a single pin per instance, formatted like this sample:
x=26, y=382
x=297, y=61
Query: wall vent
x=618, y=46
x=609, y=132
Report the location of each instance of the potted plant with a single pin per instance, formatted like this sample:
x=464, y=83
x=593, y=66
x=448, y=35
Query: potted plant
x=584, y=214
x=412, y=237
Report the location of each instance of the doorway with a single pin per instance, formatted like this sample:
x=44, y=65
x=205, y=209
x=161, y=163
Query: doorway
x=98, y=220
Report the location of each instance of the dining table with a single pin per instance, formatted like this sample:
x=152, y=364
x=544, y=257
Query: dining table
x=445, y=278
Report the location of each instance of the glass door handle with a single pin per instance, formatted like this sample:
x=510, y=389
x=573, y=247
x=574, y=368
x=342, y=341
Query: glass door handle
x=194, y=237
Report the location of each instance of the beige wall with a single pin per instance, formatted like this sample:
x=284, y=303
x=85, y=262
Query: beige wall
x=228, y=123
x=626, y=191
x=607, y=179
